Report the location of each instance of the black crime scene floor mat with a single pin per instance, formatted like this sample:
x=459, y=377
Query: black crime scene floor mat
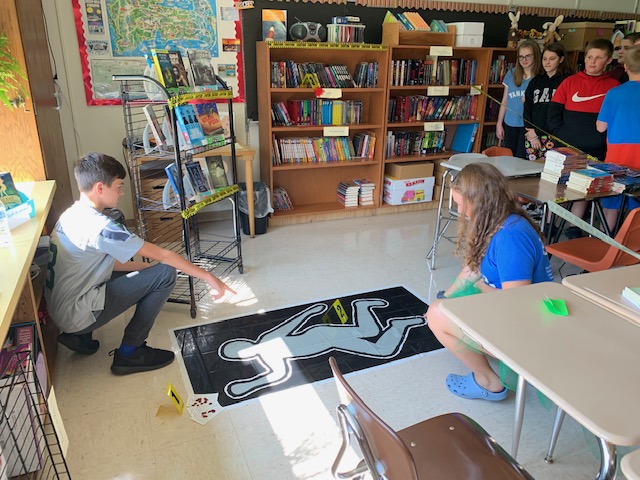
x=244, y=357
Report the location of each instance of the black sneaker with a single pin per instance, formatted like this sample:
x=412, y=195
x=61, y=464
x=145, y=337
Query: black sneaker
x=143, y=359
x=573, y=232
x=84, y=344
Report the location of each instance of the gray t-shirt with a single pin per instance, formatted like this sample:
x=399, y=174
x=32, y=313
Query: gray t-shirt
x=85, y=245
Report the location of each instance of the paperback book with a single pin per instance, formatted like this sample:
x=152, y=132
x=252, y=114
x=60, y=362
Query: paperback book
x=209, y=118
x=214, y=170
x=9, y=194
x=189, y=126
x=178, y=69
x=162, y=63
x=154, y=124
x=274, y=25
x=198, y=181
x=204, y=77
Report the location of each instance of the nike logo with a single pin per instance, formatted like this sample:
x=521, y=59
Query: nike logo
x=577, y=98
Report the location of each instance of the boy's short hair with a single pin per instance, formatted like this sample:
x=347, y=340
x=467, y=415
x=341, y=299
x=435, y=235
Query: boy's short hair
x=97, y=167
x=632, y=59
x=633, y=37
x=601, y=44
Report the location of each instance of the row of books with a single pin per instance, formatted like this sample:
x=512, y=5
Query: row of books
x=491, y=111
x=431, y=71
x=414, y=21
x=349, y=33
x=201, y=178
x=560, y=162
x=401, y=143
x=420, y=108
x=172, y=72
x=198, y=124
x=499, y=68
x=289, y=74
x=590, y=181
x=316, y=112
x=321, y=149
x=356, y=192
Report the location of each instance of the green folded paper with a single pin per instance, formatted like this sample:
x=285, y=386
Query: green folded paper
x=557, y=306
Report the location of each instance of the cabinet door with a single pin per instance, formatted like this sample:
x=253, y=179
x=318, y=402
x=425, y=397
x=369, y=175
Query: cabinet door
x=32, y=140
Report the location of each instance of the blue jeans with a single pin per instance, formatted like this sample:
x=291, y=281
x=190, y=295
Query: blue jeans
x=148, y=289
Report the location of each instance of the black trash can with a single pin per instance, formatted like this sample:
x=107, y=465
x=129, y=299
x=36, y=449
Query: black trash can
x=261, y=207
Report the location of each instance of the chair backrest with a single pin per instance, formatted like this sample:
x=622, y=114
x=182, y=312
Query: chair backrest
x=383, y=450
x=496, y=151
x=629, y=236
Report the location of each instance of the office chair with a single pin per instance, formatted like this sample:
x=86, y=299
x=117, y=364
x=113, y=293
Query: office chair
x=450, y=446
x=496, y=151
x=593, y=255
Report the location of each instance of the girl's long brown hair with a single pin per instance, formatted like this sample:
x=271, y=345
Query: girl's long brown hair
x=518, y=72
x=486, y=191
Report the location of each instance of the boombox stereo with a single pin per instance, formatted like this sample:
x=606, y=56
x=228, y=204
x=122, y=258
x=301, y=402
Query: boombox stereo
x=308, y=32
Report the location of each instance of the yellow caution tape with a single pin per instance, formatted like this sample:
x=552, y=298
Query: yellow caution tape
x=214, y=197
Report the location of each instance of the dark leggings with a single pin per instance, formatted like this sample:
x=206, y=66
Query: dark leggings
x=514, y=139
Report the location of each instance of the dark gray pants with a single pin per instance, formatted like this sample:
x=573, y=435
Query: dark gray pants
x=148, y=289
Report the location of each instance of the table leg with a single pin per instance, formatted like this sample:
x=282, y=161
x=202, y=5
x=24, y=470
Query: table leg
x=557, y=425
x=519, y=415
x=598, y=207
x=438, y=234
x=248, y=176
x=607, y=460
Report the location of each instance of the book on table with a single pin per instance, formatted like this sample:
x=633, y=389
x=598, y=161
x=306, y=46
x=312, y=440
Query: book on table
x=632, y=294
x=9, y=194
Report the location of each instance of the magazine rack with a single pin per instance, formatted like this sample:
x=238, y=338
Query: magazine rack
x=160, y=218
x=29, y=442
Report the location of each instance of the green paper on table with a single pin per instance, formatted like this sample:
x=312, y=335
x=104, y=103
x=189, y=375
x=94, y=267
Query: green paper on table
x=556, y=306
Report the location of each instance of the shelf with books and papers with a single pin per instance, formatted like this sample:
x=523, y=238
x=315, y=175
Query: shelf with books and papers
x=170, y=185
x=320, y=120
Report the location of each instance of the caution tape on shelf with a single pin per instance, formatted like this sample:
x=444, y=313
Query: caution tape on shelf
x=329, y=46
x=213, y=198
x=590, y=229
x=207, y=95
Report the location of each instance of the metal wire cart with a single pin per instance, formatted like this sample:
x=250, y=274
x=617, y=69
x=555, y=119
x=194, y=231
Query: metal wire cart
x=28, y=440
x=162, y=218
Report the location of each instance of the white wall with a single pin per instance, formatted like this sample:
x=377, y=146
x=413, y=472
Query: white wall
x=95, y=128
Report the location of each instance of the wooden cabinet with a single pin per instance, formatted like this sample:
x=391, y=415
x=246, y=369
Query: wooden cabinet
x=312, y=186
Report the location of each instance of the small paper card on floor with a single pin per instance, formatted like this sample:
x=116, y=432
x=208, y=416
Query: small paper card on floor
x=203, y=408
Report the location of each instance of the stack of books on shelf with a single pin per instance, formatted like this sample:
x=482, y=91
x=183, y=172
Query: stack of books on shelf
x=281, y=200
x=560, y=162
x=420, y=108
x=499, y=68
x=590, y=181
x=348, y=193
x=289, y=150
x=317, y=111
x=365, y=194
x=433, y=71
x=345, y=29
x=364, y=144
x=366, y=75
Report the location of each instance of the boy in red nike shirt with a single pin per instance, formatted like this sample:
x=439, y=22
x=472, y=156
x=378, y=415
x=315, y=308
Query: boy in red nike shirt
x=574, y=108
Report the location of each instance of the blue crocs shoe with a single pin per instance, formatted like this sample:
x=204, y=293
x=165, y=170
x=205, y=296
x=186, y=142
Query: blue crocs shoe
x=467, y=387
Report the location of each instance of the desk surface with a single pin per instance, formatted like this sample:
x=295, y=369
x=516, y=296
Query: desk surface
x=630, y=465
x=508, y=166
x=605, y=289
x=536, y=189
x=17, y=258
x=586, y=363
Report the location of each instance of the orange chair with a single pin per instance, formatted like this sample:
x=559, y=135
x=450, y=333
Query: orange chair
x=497, y=151
x=450, y=446
x=593, y=255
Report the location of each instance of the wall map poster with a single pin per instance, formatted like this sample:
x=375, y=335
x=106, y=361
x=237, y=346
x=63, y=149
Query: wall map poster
x=114, y=37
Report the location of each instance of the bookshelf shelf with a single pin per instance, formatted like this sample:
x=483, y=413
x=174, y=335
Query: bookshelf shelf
x=417, y=158
x=306, y=166
x=317, y=129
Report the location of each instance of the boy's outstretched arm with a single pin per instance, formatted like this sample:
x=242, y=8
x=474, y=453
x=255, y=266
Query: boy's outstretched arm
x=178, y=262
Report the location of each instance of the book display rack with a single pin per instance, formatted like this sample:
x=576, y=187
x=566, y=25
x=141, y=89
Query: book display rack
x=166, y=201
x=30, y=445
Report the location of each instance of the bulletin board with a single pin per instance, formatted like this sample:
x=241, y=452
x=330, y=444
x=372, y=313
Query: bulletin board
x=115, y=35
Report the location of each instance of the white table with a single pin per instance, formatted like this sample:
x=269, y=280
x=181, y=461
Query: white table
x=630, y=465
x=586, y=363
x=510, y=167
x=605, y=289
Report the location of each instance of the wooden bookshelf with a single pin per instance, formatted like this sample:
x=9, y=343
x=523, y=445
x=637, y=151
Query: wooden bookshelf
x=312, y=187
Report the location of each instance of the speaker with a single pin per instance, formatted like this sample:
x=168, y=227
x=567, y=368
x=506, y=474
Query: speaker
x=308, y=32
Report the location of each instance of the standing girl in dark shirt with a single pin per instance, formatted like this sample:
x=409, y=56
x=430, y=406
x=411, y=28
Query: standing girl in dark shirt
x=537, y=98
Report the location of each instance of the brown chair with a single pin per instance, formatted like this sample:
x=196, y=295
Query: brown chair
x=497, y=151
x=450, y=446
x=593, y=255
